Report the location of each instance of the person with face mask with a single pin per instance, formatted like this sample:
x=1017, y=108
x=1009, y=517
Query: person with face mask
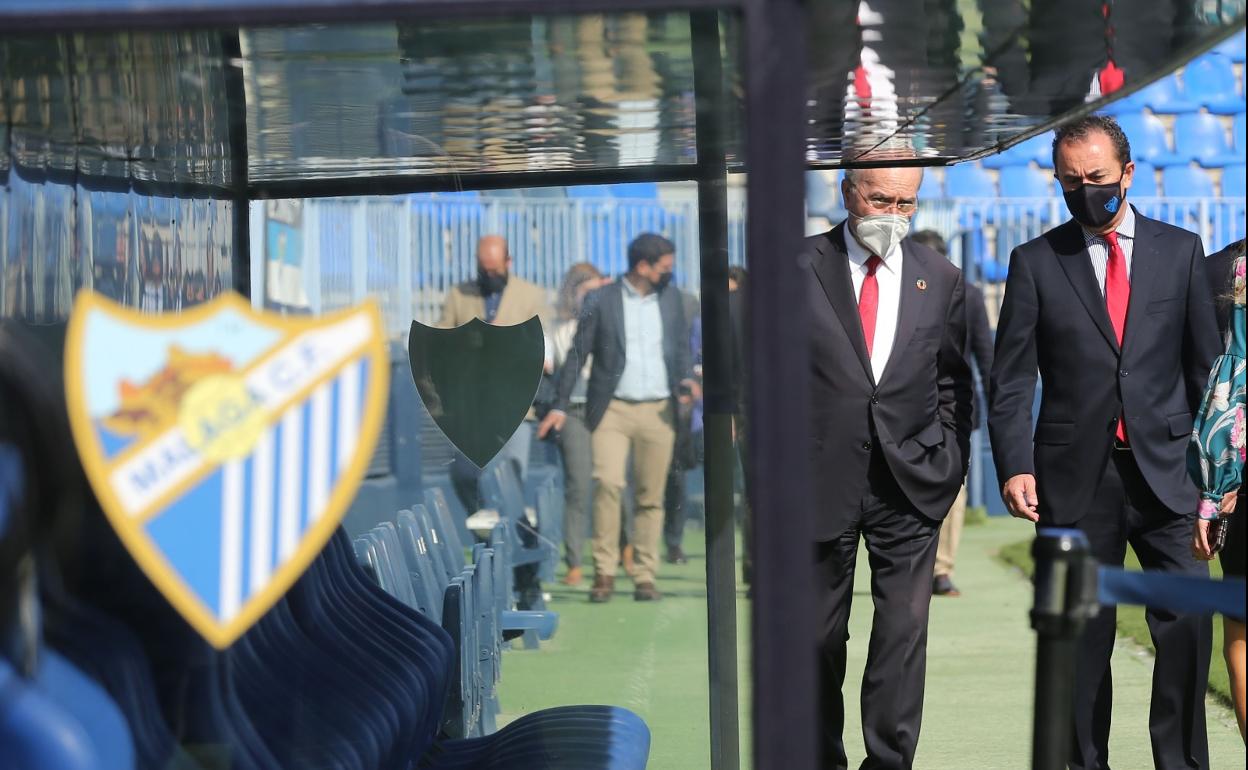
x=890, y=439
x=1113, y=311
x=496, y=297
x=636, y=332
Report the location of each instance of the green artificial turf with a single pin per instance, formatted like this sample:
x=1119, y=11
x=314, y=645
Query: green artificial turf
x=1131, y=622
x=652, y=659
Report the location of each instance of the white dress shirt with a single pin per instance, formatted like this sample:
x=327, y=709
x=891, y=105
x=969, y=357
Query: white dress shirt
x=1098, y=248
x=888, y=277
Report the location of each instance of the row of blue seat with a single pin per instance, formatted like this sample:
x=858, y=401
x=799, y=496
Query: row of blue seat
x=1208, y=82
x=1199, y=137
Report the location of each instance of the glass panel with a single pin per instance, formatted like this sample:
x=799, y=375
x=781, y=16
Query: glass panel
x=945, y=80
x=120, y=180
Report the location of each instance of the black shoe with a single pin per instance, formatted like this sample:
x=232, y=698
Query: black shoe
x=676, y=555
x=943, y=586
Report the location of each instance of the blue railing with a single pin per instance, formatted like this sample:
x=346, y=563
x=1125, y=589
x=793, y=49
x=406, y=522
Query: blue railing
x=407, y=252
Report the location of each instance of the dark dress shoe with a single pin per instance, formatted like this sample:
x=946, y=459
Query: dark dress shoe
x=943, y=586
x=676, y=555
x=646, y=592
x=604, y=587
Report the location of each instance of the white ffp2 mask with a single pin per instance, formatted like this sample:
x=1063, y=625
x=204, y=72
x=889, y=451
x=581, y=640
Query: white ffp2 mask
x=881, y=232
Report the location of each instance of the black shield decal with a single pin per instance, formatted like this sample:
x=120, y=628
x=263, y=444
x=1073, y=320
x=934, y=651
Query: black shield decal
x=477, y=380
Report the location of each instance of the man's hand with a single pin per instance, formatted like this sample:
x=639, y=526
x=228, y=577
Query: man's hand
x=1200, y=540
x=1019, y=494
x=553, y=421
x=695, y=392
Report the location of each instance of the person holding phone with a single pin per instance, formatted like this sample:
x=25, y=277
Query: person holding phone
x=1215, y=456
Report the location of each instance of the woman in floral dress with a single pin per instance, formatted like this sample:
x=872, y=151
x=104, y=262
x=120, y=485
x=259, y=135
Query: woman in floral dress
x=1216, y=459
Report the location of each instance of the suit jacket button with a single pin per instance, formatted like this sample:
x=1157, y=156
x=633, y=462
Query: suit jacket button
x=875, y=399
x=1123, y=372
x=866, y=445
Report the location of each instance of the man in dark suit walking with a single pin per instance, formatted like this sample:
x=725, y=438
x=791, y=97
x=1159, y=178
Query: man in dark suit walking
x=1113, y=310
x=636, y=331
x=890, y=433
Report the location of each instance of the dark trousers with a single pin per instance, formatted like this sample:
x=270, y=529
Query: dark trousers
x=578, y=483
x=675, y=508
x=901, y=544
x=1125, y=510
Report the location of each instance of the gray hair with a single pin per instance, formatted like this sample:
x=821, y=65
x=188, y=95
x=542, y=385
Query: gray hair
x=851, y=174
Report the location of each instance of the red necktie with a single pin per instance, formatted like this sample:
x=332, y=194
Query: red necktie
x=869, y=302
x=1117, y=295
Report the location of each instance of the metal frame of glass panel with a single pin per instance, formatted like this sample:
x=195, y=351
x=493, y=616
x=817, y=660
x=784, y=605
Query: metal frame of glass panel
x=774, y=70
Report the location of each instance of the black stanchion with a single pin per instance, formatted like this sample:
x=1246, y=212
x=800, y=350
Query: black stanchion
x=1066, y=598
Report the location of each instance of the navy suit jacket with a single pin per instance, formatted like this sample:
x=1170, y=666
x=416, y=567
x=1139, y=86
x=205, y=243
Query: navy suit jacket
x=1054, y=323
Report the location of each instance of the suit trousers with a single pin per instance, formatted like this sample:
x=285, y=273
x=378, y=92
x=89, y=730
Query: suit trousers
x=646, y=431
x=1125, y=510
x=951, y=535
x=901, y=546
x=578, y=481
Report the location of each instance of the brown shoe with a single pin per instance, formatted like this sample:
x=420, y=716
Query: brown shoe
x=626, y=558
x=573, y=578
x=646, y=592
x=604, y=586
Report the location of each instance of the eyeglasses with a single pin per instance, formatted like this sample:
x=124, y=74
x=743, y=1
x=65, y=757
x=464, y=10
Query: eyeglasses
x=880, y=203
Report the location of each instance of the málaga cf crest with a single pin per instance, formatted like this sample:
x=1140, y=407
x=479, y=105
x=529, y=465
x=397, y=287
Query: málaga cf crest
x=224, y=445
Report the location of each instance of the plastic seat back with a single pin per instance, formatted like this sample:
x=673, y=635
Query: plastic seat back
x=1144, y=183
x=1025, y=182
x=969, y=180
x=1186, y=182
x=1200, y=136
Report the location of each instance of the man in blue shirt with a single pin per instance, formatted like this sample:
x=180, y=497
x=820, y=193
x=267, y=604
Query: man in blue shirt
x=636, y=331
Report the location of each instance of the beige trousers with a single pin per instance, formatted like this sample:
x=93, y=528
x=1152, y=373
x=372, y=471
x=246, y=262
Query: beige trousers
x=647, y=430
x=950, y=534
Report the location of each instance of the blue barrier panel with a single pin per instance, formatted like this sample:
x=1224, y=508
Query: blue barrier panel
x=1177, y=593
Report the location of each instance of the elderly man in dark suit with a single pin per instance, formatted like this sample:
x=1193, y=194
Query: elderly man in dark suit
x=890, y=436
x=1112, y=310
x=636, y=331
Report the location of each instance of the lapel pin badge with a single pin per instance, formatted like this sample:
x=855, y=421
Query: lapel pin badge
x=922, y=284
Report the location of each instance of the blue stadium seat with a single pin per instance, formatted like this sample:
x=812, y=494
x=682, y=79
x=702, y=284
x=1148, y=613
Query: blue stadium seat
x=1148, y=139
x=1125, y=105
x=590, y=191
x=1201, y=137
x=969, y=180
x=1165, y=97
x=1186, y=182
x=1233, y=181
x=636, y=190
x=1233, y=47
x=1025, y=182
x=820, y=195
x=1037, y=149
x=932, y=186
x=1144, y=183
x=1210, y=81
x=1238, y=139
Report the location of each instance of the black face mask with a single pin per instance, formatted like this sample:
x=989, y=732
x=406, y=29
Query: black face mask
x=491, y=283
x=1094, y=205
